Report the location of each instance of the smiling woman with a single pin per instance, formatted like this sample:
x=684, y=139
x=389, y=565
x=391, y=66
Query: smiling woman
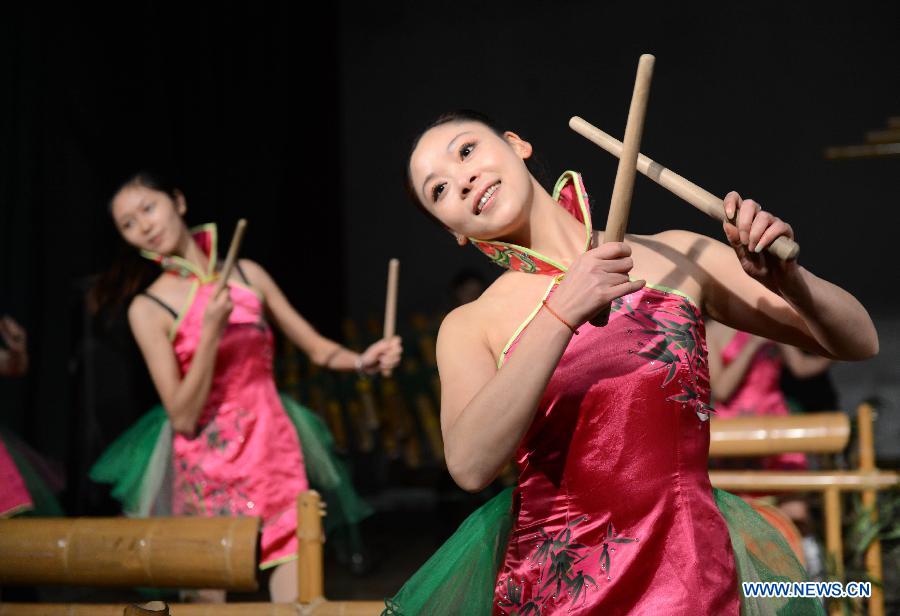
x=607, y=425
x=238, y=447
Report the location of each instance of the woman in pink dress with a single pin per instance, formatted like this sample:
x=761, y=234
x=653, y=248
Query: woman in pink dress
x=235, y=450
x=613, y=512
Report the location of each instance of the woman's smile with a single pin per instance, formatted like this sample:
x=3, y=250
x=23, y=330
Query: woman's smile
x=487, y=198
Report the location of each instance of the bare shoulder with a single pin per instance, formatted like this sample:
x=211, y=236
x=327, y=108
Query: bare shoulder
x=464, y=355
x=146, y=316
x=680, y=242
x=685, y=249
x=462, y=321
x=471, y=322
x=675, y=259
x=139, y=308
x=252, y=268
x=173, y=290
x=256, y=274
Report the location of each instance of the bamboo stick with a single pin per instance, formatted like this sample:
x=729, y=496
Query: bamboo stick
x=701, y=199
x=390, y=304
x=231, y=257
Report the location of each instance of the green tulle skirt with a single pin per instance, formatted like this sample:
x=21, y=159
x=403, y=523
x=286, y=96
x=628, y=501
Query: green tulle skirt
x=139, y=467
x=459, y=578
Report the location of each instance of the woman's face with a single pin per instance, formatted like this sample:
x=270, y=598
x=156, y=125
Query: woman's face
x=149, y=219
x=473, y=180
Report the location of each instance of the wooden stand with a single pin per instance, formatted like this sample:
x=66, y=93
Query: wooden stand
x=814, y=433
x=310, y=538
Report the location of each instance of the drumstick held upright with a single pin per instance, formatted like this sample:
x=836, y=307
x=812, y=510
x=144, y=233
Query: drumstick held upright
x=390, y=303
x=623, y=188
x=620, y=203
x=231, y=257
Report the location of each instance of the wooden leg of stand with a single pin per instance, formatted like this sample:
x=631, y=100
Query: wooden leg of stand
x=864, y=419
x=833, y=541
x=311, y=584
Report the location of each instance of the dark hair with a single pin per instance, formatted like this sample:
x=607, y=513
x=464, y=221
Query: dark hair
x=148, y=179
x=454, y=117
x=129, y=273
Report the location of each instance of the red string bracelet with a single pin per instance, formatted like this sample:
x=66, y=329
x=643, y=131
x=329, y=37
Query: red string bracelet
x=561, y=320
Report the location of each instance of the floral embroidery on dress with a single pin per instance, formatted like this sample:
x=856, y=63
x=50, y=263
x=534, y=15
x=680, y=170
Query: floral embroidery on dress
x=556, y=557
x=219, y=435
x=214, y=438
x=675, y=342
x=199, y=499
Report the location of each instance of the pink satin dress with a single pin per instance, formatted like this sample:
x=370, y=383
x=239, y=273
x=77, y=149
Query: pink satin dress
x=614, y=512
x=245, y=458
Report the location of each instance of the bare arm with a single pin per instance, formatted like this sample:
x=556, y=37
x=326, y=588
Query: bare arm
x=183, y=398
x=485, y=412
x=803, y=365
x=724, y=380
x=778, y=300
x=384, y=354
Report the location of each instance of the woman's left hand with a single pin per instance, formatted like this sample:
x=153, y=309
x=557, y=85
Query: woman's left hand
x=382, y=356
x=751, y=232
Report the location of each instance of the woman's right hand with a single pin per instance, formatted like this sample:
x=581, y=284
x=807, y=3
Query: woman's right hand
x=593, y=281
x=215, y=317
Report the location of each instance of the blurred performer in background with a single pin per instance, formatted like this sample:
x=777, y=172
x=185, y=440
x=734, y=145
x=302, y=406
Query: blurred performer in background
x=238, y=447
